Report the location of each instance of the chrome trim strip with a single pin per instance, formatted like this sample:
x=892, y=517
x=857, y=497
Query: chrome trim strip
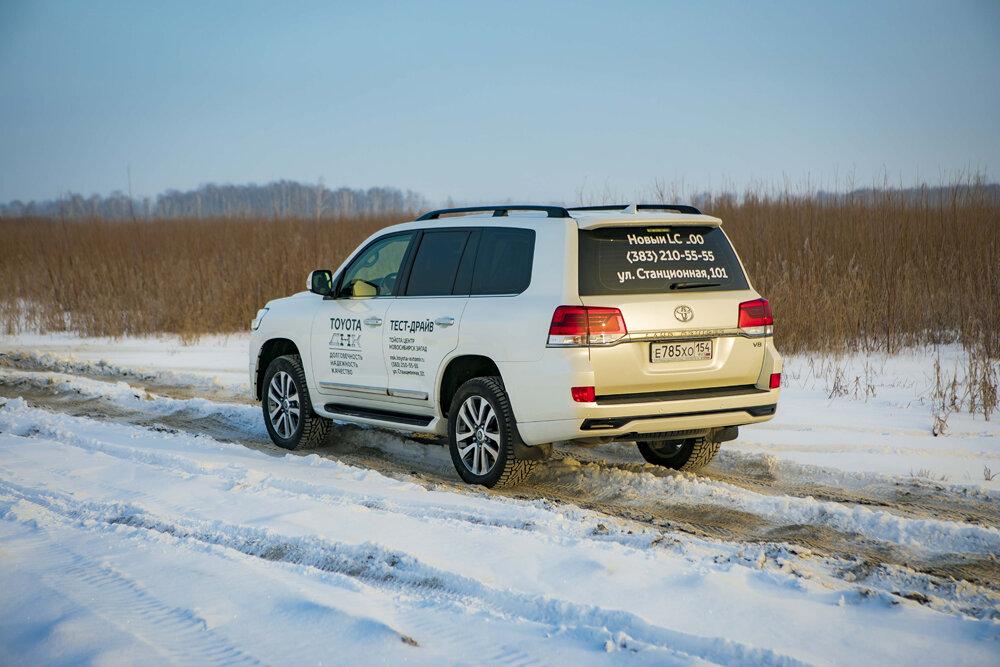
x=658, y=336
x=381, y=391
x=433, y=296
x=450, y=296
x=407, y=393
x=669, y=337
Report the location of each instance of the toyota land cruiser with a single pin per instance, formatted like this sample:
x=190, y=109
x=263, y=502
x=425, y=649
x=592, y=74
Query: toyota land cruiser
x=509, y=328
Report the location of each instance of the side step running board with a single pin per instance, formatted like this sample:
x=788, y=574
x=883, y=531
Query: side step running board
x=380, y=415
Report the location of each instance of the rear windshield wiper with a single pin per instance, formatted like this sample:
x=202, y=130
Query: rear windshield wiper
x=693, y=285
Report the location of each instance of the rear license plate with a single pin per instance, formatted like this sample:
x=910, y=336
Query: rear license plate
x=691, y=350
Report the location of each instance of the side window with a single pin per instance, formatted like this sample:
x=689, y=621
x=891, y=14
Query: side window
x=436, y=263
x=503, y=264
x=374, y=271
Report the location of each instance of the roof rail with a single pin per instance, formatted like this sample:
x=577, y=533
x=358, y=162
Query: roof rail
x=498, y=211
x=679, y=208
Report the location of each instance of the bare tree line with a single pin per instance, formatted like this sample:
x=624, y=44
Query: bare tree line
x=281, y=199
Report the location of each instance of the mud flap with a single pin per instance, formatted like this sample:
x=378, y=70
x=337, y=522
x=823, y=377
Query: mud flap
x=725, y=434
x=525, y=452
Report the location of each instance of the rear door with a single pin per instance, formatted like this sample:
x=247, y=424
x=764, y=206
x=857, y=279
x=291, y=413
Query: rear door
x=422, y=324
x=679, y=289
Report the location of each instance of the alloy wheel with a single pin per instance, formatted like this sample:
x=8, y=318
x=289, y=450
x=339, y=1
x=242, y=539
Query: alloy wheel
x=283, y=407
x=477, y=434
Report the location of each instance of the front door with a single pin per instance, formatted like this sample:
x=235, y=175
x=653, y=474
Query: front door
x=347, y=331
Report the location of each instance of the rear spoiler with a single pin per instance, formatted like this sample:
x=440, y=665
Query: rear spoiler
x=645, y=220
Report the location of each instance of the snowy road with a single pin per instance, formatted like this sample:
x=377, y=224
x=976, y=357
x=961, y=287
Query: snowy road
x=146, y=517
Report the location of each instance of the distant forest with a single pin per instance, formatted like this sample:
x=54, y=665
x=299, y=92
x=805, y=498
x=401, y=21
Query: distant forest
x=282, y=199
x=289, y=199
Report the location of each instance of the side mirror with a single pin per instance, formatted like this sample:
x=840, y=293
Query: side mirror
x=320, y=282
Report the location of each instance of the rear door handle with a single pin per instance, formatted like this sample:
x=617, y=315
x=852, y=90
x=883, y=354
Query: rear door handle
x=374, y=321
x=444, y=321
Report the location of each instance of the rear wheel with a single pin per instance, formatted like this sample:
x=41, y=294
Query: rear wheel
x=481, y=435
x=689, y=454
x=288, y=414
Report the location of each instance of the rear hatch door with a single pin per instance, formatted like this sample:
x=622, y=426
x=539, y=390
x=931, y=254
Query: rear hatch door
x=679, y=288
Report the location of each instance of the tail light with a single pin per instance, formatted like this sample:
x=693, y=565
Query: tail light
x=576, y=326
x=583, y=394
x=775, y=381
x=755, y=318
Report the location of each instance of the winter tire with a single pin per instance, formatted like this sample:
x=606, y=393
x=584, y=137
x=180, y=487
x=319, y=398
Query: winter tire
x=288, y=414
x=689, y=454
x=481, y=435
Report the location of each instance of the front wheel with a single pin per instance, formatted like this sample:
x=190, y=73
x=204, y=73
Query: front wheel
x=481, y=435
x=689, y=454
x=288, y=414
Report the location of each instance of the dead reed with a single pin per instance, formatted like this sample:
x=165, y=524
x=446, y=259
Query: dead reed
x=876, y=272
x=187, y=277
x=856, y=273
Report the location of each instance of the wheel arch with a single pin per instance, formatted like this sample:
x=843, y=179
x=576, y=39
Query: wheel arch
x=458, y=371
x=269, y=351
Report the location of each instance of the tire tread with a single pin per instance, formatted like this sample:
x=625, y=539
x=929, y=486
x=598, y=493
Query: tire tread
x=515, y=470
x=701, y=454
x=694, y=454
x=315, y=429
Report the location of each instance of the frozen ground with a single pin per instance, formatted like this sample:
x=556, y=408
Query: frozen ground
x=147, y=519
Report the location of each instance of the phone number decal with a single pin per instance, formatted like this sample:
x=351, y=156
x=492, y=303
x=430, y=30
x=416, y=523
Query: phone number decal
x=656, y=256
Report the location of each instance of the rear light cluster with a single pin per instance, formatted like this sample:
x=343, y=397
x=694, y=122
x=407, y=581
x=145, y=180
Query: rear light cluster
x=755, y=318
x=579, y=326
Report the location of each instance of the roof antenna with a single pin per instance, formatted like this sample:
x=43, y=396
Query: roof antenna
x=630, y=209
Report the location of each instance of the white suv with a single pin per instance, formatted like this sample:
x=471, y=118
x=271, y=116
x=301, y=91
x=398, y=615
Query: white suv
x=509, y=328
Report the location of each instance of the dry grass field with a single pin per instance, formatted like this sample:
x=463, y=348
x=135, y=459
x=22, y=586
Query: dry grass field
x=864, y=273
x=189, y=277
x=874, y=273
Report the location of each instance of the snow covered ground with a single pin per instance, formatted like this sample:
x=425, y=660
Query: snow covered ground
x=147, y=519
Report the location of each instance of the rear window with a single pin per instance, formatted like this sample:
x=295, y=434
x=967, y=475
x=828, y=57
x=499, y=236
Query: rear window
x=436, y=263
x=503, y=265
x=653, y=260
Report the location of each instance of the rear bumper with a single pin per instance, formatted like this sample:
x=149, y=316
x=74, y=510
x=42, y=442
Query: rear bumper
x=546, y=412
x=595, y=420
x=613, y=423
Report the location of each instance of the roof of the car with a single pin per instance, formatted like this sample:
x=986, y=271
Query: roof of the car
x=586, y=217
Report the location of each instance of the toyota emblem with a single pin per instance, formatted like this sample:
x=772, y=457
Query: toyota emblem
x=684, y=313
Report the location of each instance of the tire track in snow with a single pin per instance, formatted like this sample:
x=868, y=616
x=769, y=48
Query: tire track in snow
x=179, y=634
x=389, y=570
x=863, y=561
x=165, y=383
x=619, y=490
x=696, y=504
x=175, y=634
x=391, y=452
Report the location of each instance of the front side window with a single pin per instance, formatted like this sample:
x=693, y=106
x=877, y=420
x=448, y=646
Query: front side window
x=375, y=270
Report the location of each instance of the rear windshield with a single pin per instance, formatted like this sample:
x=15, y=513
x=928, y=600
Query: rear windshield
x=653, y=260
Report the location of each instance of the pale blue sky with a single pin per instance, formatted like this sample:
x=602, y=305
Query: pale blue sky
x=531, y=101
